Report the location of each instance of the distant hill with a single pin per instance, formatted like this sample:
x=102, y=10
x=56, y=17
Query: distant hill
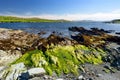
x=114, y=21
x=20, y=19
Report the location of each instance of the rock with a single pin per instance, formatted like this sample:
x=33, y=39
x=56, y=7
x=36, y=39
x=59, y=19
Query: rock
x=37, y=78
x=14, y=71
x=59, y=79
x=34, y=71
x=1, y=68
x=118, y=49
x=4, y=35
x=99, y=75
x=115, y=39
x=117, y=33
x=16, y=40
x=1, y=71
x=101, y=30
x=6, y=57
x=45, y=77
x=80, y=77
x=24, y=76
x=77, y=29
x=41, y=33
x=90, y=79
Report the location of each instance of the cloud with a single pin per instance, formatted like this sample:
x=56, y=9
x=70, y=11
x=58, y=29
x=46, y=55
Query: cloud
x=94, y=16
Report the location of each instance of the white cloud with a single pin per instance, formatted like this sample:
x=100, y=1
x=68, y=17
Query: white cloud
x=95, y=16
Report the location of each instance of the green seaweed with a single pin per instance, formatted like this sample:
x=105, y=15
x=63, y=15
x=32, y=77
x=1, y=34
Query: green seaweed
x=62, y=59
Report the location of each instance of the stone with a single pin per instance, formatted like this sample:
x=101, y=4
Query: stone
x=14, y=71
x=1, y=71
x=24, y=76
x=1, y=68
x=99, y=75
x=90, y=79
x=45, y=77
x=7, y=57
x=59, y=79
x=34, y=71
x=80, y=77
x=117, y=33
x=37, y=78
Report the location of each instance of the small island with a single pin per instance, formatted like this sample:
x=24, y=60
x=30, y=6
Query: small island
x=114, y=21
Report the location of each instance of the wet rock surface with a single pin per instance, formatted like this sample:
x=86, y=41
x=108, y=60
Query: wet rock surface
x=109, y=43
x=14, y=43
x=16, y=40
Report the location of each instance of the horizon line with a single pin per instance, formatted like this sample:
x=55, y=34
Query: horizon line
x=71, y=17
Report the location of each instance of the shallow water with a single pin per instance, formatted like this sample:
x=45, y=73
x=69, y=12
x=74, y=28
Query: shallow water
x=58, y=26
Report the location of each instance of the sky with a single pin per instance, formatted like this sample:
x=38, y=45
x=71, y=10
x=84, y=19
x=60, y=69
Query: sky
x=62, y=9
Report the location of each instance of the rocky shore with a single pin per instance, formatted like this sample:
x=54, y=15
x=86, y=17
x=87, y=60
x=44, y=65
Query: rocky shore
x=88, y=55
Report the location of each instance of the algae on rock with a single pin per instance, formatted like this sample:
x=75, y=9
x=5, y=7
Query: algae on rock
x=62, y=59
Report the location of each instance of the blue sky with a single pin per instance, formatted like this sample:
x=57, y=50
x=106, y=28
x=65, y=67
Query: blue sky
x=62, y=9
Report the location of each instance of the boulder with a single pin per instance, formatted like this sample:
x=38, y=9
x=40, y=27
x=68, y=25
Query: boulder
x=20, y=72
x=117, y=33
x=13, y=72
x=6, y=57
x=35, y=71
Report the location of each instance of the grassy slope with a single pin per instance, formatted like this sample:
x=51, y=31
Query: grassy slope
x=18, y=19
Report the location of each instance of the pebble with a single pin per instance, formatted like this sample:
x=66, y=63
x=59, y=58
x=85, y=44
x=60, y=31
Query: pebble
x=59, y=79
x=99, y=75
x=80, y=77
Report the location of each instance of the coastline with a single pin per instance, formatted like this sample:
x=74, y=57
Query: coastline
x=15, y=43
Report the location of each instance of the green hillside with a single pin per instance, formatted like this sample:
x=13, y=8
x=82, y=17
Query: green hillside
x=19, y=19
x=116, y=21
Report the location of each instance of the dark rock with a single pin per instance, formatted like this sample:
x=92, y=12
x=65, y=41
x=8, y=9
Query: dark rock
x=24, y=76
x=101, y=30
x=115, y=39
x=90, y=79
x=78, y=29
x=118, y=49
x=99, y=75
x=42, y=47
x=78, y=38
x=41, y=33
x=117, y=33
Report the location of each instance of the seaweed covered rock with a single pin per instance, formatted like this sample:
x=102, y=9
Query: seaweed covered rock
x=92, y=31
x=54, y=39
x=16, y=40
x=57, y=54
x=89, y=40
x=62, y=59
x=115, y=39
x=94, y=37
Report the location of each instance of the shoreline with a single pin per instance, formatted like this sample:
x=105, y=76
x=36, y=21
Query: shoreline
x=16, y=42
